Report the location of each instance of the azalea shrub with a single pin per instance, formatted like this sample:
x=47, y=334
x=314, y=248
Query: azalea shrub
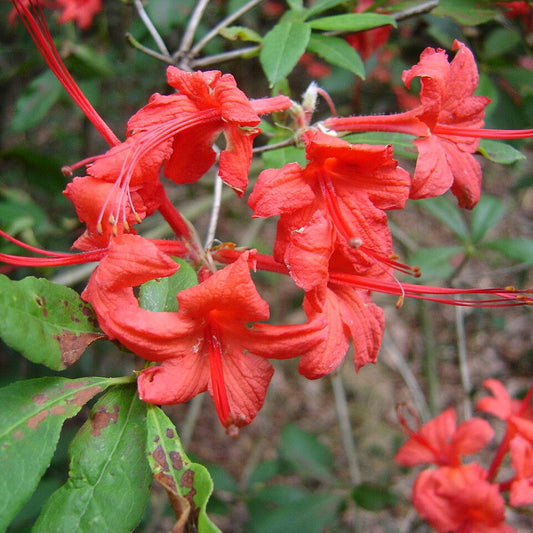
x=240, y=220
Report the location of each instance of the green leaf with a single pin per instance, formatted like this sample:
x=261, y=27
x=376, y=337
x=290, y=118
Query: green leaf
x=520, y=250
x=320, y=6
x=337, y=52
x=352, y=22
x=188, y=484
x=402, y=143
x=283, y=46
x=47, y=323
x=500, y=41
x=240, y=33
x=485, y=215
x=89, y=62
x=447, y=213
x=284, y=509
x=160, y=294
x=33, y=412
x=109, y=477
x=373, y=496
x=305, y=453
x=466, y=12
x=435, y=262
x=295, y=5
x=281, y=156
x=35, y=101
x=499, y=152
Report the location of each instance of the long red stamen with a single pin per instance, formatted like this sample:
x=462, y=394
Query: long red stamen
x=35, y=23
x=482, y=133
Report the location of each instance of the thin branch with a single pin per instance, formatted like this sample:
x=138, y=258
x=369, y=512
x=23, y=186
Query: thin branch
x=463, y=361
x=267, y=147
x=224, y=56
x=397, y=361
x=222, y=24
x=145, y=50
x=190, y=30
x=152, y=29
x=424, y=7
x=345, y=426
x=215, y=211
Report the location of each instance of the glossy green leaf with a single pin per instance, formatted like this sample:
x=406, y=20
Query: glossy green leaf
x=35, y=101
x=520, y=250
x=374, y=496
x=188, y=484
x=295, y=5
x=305, y=453
x=352, y=22
x=499, y=152
x=320, y=6
x=402, y=144
x=33, y=412
x=447, y=213
x=160, y=294
x=45, y=322
x=485, y=216
x=337, y=52
x=500, y=41
x=283, y=46
x=109, y=476
x=281, y=156
x=466, y=12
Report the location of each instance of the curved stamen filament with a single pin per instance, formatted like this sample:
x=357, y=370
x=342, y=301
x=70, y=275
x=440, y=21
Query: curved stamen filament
x=481, y=133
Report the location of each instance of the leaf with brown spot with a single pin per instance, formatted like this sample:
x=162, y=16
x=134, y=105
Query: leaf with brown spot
x=33, y=412
x=109, y=479
x=47, y=323
x=188, y=484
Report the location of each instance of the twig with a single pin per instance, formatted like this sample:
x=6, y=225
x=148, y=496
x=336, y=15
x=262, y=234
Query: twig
x=152, y=29
x=215, y=211
x=222, y=24
x=225, y=56
x=190, y=30
x=193, y=412
x=145, y=50
x=345, y=426
x=424, y=7
x=463, y=361
x=267, y=147
x=397, y=360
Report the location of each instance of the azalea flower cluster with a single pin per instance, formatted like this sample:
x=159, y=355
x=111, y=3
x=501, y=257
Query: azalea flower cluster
x=332, y=236
x=457, y=496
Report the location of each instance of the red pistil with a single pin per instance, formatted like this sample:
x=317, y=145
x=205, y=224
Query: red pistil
x=38, y=29
x=218, y=384
x=481, y=133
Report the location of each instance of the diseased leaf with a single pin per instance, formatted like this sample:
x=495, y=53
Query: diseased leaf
x=485, y=215
x=283, y=46
x=499, y=152
x=33, y=412
x=352, y=22
x=47, y=323
x=337, y=52
x=188, y=484
x=160, y=294
x=109, y=477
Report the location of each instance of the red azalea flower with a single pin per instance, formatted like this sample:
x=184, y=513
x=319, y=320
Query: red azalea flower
x=440, y=441
x=517, y=413
x=460, y=500
x=522, y=460
x=81, y=12
x=207, y=344
x=446, y=100
x=336, y=201
x=207, y=104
